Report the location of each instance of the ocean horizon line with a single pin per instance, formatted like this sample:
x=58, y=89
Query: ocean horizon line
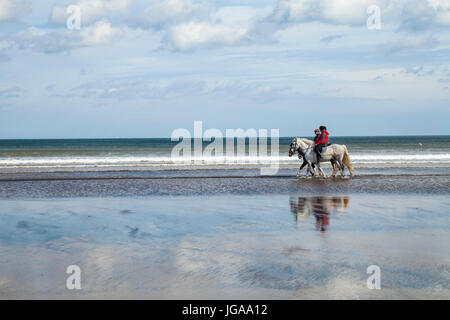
x=281, y=137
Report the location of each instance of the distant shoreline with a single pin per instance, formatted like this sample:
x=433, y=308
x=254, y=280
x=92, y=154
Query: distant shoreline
x=282, y=137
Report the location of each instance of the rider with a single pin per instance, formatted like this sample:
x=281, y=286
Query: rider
x=317, y=133
x=321, y=142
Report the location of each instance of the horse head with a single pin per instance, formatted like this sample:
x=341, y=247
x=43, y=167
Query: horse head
x=293, y=147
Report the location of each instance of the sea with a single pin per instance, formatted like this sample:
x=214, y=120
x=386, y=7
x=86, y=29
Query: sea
x=400, y=154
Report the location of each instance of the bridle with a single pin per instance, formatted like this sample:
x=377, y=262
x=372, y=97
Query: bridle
x=292, y=148
x=295, y=147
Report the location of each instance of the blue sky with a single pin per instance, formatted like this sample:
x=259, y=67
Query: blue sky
x=144, y=68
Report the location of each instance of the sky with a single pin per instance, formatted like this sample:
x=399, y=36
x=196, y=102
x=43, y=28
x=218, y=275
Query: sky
x=145, y=68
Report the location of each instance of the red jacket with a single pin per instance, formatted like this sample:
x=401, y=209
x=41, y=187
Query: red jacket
x=323, y=137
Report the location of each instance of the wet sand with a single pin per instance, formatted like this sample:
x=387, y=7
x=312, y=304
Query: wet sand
x=233, y=234
x=128, y=186
x=224, y=245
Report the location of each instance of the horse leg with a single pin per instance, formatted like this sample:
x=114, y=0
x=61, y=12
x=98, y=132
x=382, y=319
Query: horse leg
x=310, y=165
x=315, y=171
x=298, y=172
x=322, y=172
x=333, y=163
x=301, y=168
x=341, y=168
x=337, y=163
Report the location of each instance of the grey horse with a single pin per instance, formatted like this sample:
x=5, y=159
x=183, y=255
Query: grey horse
x=337, y=154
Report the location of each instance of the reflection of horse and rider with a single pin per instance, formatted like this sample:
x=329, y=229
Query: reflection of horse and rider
x=321, y=150
x=320, y=207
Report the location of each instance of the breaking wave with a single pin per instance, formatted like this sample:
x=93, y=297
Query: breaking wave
x=374, y=160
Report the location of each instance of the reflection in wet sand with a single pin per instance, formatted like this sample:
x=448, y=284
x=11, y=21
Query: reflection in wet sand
x=320, y=207
x=225, y=247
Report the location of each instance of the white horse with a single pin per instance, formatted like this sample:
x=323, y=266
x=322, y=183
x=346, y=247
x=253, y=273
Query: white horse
x=301, y=155
x=336, y=153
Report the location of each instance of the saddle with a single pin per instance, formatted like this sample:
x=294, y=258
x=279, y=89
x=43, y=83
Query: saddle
x=324, y=149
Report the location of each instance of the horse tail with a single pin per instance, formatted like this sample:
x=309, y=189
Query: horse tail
x=346, y=160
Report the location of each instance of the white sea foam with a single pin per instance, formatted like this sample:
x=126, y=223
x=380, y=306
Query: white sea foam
x=378, y=160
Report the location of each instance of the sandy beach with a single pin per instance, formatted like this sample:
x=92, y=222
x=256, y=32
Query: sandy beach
x=238, y=237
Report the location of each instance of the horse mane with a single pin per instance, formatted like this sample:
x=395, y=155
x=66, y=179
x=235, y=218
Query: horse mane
x=307, y=141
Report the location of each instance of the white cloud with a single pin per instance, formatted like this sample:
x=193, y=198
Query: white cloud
x=162, y=13
x=442, y=9
x=425, y=14
x=240, y=15
x=51, y=41
x=185, y=25
x=348, y=12
x=11, y=10
x=100, y=33
x=91, y=10
x=191, y=35
x=221, y=27
x=48, y=41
